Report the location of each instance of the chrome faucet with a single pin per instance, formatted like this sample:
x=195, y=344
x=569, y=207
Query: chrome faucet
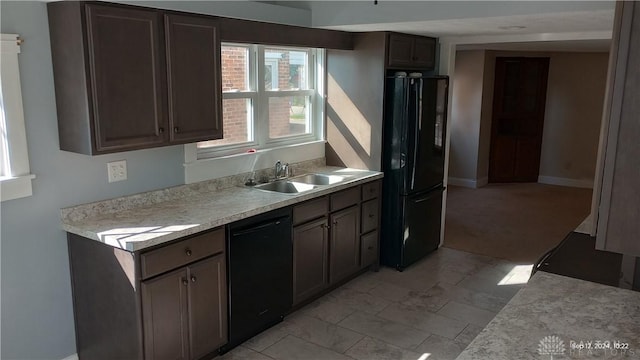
x=278, y=169
x=281, y=170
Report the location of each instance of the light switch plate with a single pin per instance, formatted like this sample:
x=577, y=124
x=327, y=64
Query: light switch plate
x=117, y=170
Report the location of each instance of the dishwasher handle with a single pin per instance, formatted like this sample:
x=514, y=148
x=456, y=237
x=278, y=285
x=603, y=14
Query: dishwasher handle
x=260, y=227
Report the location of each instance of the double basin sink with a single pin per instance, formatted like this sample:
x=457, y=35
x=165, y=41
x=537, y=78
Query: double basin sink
x=298, y=184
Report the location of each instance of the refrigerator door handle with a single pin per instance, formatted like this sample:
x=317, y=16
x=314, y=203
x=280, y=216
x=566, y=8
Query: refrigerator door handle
x=416, y=145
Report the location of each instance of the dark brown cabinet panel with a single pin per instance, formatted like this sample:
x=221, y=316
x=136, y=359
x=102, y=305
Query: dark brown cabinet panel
x=370, y=213
x=345, y=244
x=310, y=259
x=411, y=51
x=369, y=249
x=164, y=310
x=125, y=79
x=207, y=306
x=193, y=59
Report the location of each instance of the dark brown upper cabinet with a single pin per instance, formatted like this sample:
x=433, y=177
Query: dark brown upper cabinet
x=130, y=78
x=193, y=59
x=411, y=52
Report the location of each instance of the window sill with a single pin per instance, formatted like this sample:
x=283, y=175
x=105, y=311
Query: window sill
x=16, y=187
x=213, y=168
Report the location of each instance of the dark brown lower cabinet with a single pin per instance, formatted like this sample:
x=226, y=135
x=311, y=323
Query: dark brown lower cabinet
x=310, y=259
x=168, y=302
x=345, y=244
x=183, y=311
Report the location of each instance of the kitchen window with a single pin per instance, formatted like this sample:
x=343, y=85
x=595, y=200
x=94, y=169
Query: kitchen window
x=15, y=176
x=271, y=97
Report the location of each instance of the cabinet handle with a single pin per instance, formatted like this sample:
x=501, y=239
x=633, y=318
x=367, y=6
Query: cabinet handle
x=161, y=130
x=176, y=129
x=371, y=215
x=185, y=282
x=370, y=248
x=193, y=278
x=335, y=223
x=187, y=251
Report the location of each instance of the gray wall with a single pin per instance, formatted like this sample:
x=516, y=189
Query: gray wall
x=37, y=315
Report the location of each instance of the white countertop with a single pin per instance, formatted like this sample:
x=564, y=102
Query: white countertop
x=135, y=223
x=562, y=318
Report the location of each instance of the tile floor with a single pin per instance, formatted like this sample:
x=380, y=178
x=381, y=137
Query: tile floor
x=435, y=308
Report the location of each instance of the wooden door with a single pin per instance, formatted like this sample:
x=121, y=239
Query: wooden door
x=310, y=259
x=345, y=244
x=193, y=59
x=164, y=313
x=127, y=73
x=518, y=116
x=207, y=306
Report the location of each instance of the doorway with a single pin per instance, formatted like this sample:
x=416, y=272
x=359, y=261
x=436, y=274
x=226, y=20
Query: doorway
x=518, y=116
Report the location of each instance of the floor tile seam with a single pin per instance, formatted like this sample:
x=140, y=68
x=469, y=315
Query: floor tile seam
x=311, y=342
x=396, y=323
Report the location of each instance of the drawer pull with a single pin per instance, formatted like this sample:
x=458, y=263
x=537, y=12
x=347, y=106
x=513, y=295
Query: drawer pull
x=187, y=251
x=370, y=248
x=185, y=282
x=193, y=278
x=371, y=215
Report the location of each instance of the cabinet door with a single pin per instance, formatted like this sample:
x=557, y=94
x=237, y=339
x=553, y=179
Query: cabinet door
x=164, y=314
x=400, y=50
x=310, y=259
x=423, y=54
x=127, y=77
x=193, y=60
x=207, y=306
x=345, y=244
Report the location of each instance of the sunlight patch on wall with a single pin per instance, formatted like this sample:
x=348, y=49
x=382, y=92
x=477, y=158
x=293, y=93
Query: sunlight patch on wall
x=352, y=118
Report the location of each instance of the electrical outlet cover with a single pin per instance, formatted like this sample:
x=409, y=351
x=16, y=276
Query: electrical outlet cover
x=117, y=170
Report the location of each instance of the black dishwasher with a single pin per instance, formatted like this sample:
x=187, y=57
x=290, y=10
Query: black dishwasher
x=260, y=274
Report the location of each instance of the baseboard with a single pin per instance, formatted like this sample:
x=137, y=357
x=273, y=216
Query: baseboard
x=71, y=357
x=469, y=183
x=461, y=182
x=552, y=180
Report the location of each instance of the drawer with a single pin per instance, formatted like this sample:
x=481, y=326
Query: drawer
x=371, y=190
x=345, y=198
x=181, y=253
x=369, y=219
x=310, y=210
x=369, y=249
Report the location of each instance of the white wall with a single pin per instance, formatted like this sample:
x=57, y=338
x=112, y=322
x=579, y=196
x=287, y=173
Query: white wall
x=575, y=98
x=466, y=109
x=37, y=315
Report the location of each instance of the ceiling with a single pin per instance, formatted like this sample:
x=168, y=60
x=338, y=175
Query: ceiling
x=586, y=30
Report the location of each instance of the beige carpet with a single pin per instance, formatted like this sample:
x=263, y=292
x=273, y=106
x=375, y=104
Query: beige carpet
x=517, y=222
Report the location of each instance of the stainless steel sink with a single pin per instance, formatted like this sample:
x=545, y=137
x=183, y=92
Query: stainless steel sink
x=285, y=186
x=318, y=179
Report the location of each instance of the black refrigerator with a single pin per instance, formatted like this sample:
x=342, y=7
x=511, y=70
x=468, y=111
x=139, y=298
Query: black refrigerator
x=413, y=164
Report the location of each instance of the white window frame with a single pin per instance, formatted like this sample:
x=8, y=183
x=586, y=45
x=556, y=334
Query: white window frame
x=260, y=100
x=15, y=175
